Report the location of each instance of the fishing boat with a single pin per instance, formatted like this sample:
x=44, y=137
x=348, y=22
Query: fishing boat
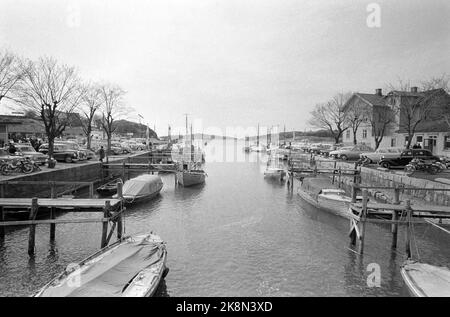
x=131, y=267
x=109, y=188
x=318, y=192
x=191, y=175
x=190, y=172
x=425, y=280
x=141, y=188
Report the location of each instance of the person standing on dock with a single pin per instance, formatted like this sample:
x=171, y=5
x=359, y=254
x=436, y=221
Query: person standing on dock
x=101, y=152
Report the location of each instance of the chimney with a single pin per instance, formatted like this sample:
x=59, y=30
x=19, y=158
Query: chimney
x=378, y=92
x=414, y=89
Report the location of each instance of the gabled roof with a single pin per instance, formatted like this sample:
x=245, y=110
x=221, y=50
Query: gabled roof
x=372, y=99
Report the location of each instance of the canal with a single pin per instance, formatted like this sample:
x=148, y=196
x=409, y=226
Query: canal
x=238, y=235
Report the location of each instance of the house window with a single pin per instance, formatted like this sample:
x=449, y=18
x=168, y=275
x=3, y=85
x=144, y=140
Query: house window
x=447, y=142
x=347, y=134
x=364, y=134
x=393, y=142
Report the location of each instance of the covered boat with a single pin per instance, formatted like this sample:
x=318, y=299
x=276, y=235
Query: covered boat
x=425, y=280
x=131, y=267
x=141, y=188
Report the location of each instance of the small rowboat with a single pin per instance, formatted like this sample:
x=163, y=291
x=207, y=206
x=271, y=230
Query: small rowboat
x=275, y=172
x=425, y=280
x=131, y=267
x=109, y=188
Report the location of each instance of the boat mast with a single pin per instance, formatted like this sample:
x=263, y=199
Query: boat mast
x=257, y=138
x=191, y=146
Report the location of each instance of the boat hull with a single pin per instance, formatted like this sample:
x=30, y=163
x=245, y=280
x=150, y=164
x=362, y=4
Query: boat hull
x=190, y=179
x=337, y=207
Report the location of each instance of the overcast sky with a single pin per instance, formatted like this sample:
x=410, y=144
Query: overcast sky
x=229, y=62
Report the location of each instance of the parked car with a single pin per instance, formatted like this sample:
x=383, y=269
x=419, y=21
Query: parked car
x=328, y=149
x=375, y=157
x=61, y=152
x=350, y=152
x=89, y=154
x=82, y=154
x=26, y=150
x=406, y=156
x=5, y=156
x=316, y=147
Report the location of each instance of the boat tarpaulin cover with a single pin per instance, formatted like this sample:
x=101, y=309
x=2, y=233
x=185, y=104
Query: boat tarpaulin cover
x=108, y=276
x=432, y=281
x=142, y=185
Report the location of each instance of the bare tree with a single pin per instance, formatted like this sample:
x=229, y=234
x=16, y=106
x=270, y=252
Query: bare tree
x=52, y=91
x=441, y=82
x=413, y=110
x=91, y=103
x=10, y=74
x=112, y=109
x=331, y=116
x=356, y=114
x=381, y=119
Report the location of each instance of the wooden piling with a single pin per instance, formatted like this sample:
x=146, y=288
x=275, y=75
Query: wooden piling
x=52, y=213
x=408, y=229
x=354, y=192
x=334, y=171
x=2, y=229
x=123, y=170
x=362, y=232
x=119, y=218
x=32, y=234
x=91, y=190
x=394, y=226
x=105, y=224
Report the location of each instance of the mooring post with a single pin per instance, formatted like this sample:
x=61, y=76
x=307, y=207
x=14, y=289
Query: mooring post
x=52, y=212
x=334, y=171
x=394, y=226
x=123, y=170
x=408, y=229
x=2, y=229
x=91, y=190
x=354, y=192
x=32, y=234
x=339, y=178
x=362, y=232
x=105, y=223
x=119, y=218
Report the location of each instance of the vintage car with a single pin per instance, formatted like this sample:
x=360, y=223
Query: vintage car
x=6, y=156
x=375, y=157
x=350, y=152
x=406, y=156
x=61, y=152
x=26, y=150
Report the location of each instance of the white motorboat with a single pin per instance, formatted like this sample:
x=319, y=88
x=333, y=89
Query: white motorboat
x=275, y=172
x=131, y=267
x=334, y=200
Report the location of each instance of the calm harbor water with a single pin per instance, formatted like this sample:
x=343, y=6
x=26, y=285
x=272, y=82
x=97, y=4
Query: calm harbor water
x=238, y=235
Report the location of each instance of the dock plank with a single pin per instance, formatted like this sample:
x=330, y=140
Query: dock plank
x=59, y=202
x=416, y=208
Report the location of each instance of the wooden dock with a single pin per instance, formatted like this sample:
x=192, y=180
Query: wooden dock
x=110, y=209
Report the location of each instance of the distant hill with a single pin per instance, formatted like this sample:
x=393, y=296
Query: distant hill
x=139, y=130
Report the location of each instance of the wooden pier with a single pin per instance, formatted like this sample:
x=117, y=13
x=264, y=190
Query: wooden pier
x=110, y=209
x=362, y=213
x=394, y=214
